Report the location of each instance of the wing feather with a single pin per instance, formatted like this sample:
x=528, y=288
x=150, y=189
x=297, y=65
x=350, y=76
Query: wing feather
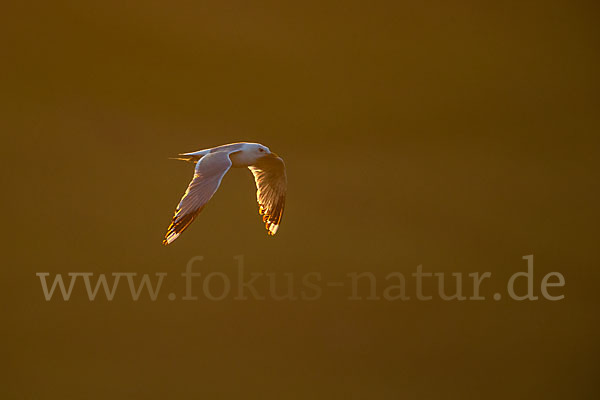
x=207, y=177
x=271, y=184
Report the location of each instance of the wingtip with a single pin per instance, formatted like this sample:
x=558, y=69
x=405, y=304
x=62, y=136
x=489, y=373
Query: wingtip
x=271, y=228
x=171, y=236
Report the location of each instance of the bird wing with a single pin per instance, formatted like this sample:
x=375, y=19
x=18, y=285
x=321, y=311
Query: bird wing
x=271, y=185
x=207, y=177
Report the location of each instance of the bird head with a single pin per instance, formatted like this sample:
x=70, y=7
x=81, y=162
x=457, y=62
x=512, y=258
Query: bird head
x=256, y=150
x=260, y=150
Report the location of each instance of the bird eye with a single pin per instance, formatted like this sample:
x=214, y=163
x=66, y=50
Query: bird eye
x=261, y=150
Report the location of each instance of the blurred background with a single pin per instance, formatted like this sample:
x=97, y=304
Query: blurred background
x=457, y=135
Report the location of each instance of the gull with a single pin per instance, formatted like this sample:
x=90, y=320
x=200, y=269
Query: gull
x=212, y=165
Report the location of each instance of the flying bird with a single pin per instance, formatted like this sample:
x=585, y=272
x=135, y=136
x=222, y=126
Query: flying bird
x=212, y=165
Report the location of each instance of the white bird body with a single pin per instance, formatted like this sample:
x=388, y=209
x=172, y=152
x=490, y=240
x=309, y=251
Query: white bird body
x=212, y=164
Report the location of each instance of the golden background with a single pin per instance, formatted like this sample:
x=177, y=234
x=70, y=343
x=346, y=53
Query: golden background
x=458, y=135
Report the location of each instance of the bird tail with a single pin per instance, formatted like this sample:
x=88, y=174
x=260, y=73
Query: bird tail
x=186, y=158
x=191, y=157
